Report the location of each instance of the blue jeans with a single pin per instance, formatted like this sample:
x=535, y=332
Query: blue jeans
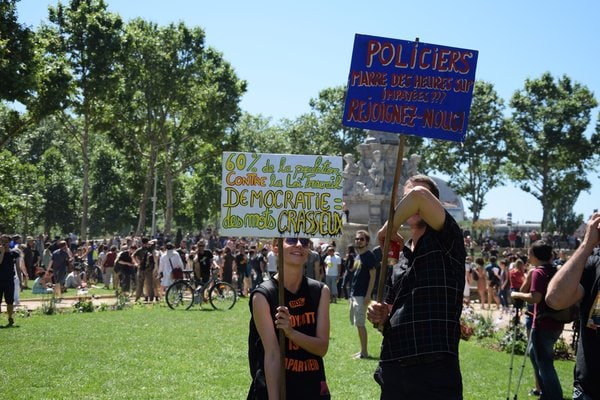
x=542, y=359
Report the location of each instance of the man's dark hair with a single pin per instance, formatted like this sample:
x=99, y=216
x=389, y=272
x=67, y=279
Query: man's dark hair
x=365, y=234
x=542, y=250
x=493, y=260
x=429, y=182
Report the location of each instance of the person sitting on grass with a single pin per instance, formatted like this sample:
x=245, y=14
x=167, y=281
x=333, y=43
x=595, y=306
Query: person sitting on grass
x=75, y=279
x=40, y=285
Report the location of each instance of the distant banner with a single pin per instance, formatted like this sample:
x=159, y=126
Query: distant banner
x=281, y=195
x=410, y=87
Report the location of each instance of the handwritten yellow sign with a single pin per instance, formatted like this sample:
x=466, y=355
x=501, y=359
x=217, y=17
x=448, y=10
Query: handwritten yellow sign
x=272, y=195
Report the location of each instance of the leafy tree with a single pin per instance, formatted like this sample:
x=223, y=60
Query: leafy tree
x=16, y=55
x=20, y=199
x=60, y=189
x=321, y=131
x=30, y=74
x=474, y=166
x=552, y=155
x=88, y=38
x=176, y=101
x=257, y=134
x=112, y=199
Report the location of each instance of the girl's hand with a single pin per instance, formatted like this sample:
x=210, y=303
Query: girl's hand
x=282, y=320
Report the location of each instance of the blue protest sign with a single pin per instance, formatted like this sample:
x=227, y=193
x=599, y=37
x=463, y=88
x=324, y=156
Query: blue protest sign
x=409, y=87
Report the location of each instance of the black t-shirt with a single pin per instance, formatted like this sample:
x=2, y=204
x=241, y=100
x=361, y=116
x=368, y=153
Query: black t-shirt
x=242, y=263
x=7, y=267
x=124, y=257
x=142, y=255
x=305, y=372
x=205, y=259
x=363, y=264
x=31, y=257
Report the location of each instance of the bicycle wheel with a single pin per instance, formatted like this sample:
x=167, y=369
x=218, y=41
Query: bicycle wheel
x=222, y=296
x=180, y=296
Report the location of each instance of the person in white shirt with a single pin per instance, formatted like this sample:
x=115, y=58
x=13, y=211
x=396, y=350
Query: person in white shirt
x=272, y=261
x=168, y=261
x=332, y=272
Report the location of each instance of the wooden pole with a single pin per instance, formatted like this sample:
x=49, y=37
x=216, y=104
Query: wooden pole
x=390, y=226
x=281, y=294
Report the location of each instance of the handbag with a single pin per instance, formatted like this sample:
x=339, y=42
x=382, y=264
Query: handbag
x=176, y=273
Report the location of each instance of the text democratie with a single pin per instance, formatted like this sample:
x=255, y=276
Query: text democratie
x=289, y=199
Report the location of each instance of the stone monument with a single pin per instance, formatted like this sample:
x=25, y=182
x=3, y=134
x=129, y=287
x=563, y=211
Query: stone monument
x=368, y=185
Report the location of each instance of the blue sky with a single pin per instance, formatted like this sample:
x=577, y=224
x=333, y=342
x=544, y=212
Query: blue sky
x=289, y=51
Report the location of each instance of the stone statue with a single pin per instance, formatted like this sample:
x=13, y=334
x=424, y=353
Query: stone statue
x=376, y=173
x=351, y=172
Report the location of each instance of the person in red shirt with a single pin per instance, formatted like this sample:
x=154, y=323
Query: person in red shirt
x=545, y=331
x=517, y=275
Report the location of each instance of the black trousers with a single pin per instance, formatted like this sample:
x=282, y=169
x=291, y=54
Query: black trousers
x=421, y=378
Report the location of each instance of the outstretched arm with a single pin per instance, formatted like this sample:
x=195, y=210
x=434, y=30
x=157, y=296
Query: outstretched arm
x=564, y=289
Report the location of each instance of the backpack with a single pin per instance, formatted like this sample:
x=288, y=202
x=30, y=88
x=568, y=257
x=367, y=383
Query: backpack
x=474, y=274
x=491, y=276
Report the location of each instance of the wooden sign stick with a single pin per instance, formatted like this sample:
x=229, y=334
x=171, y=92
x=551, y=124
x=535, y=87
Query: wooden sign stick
x=281, y=294
x=390, y=226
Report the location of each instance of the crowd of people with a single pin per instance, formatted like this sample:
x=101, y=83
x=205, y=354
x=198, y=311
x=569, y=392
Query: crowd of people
x=428, y=284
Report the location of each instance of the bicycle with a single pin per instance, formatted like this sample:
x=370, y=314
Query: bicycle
x=184, y=293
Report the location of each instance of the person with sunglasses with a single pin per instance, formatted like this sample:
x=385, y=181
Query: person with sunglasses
x=304, y=318
x=364, y=269
x=420, y=315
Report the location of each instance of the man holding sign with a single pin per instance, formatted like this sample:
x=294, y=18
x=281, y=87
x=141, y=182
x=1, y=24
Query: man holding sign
x=426, y=90
x=420, y=315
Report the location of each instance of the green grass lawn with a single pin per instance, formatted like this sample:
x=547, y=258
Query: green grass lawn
x=152, y=352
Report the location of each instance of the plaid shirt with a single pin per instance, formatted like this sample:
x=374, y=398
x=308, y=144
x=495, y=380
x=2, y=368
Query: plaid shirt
x=427, y=296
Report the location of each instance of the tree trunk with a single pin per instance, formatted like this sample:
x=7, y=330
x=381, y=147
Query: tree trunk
x=150, y=170
x=168, y=198
x=86, y=180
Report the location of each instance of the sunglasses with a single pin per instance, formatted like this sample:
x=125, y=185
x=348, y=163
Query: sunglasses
x=360, y=239
x=293, y=241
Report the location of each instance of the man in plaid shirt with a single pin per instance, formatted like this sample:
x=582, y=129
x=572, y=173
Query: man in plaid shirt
x=421, y=311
